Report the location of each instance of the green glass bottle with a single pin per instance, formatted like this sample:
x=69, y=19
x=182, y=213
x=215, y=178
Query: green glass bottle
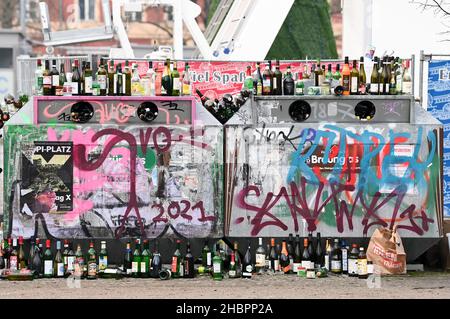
x=166, y=82
x=127, y=72
x=136, y=263
x=146, y=258
x=48, y=260
x=176, y=261
x=248, y=83
x=92, y=271
x=232, y=273
x=217, y=265
x=59, y=261
x=128, y=258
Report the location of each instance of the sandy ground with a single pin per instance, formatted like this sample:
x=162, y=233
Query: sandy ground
x=414, y=285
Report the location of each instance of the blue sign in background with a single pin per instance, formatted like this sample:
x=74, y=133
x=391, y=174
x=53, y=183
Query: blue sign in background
x=439, y=106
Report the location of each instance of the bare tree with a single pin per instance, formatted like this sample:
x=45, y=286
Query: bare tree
x=440, y=8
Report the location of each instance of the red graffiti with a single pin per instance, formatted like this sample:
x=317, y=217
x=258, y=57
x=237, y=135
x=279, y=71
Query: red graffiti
x=298, y=205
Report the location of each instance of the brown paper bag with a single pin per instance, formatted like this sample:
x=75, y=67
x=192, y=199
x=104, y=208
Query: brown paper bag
x=387, y=253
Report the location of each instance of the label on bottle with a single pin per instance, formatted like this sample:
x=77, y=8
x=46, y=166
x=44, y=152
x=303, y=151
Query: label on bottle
x=399, y=83
x=310, y=274
x=115, y=85
x=346, y=82
x=407, y=88
x=232, y=273
x=124, y=83
x=129, y=271
x=187, y=89
x=47, y=80
x=134, y=267
x=70, y=262
x=374, y=88
x=143, y=267
x=321, y=79
x=102, y=81
x=336, y=265
x=208, y=259
x=13, y=262
x=369, y=268
x=274, y=85
x=60, y=269
x=266, y=85
x=267, y=264
x=306, y=264
x=39, y=82
x=249, y=269
x=216, y=268
x=48, y=267
x=88, y=85
x=181, y=270
x=55, y=80
x=259, y=88
x=362, y=267
x=327, y=262
x=299, y=91
x=176, y=84
x=386, y=88
x=354, y=84
x=295, y=267
x=103, y=262
x=344, y=260
x=353, y=266
x=78, y=270
x=174, y=264
x=276, y=265
x=289, y=88
x=362, y=88
x=92, y=269
x=260, y=260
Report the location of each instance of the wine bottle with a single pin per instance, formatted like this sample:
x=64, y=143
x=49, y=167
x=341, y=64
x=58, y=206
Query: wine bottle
x=290, y=249
x=353, y=261
x=336, y=258
x=21, y=261
x=407, y=80
x=306, y=257
x=176, y=260
x=278, y=249
x=362, y=264
x=318, y=75
x=146, y=258
x=156, y=264
x=284, y=259
x=232, y=273
x=258, y=80
x=176, y=83
x=189, y=262
x=344, y=253
x=112, y=81
x=319, y=254
x=399, y=76
x=186, y=86
x=354, y=79
x=30, y=253
x=346, y=77
x=70, y=260
x=267, y=258
x=274, y=262
x=48, y=260
x=337, y=76
x=329, y=75
x=87, y=76
x=288, y=83
x=217, y=265
x=55, y=77
x=39, y=78
x=311, y=250
x=385, y=77
x=59, y=270
x=102, y=78
x=13, y=260
x=267, y=81
x=119, y=81
x=102, y=257
x=2, y=258
x=128, y=260
x=297, y=255
x=374, y=78
x=247, y=265
x=76, y=79
x=166, y=84
x=277, y=80
x=148, y=82
x=92, y=268
x=237, y=259
x=260, y=257
x=37, y=260
x=127, y=78
x=206, y=256
x=362, y=77
x=136, y=263
x=47, y=79
x=392, y=84
x=62, y=75
x=328, y=250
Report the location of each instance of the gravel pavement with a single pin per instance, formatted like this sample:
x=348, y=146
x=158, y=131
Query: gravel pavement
x=415, y=285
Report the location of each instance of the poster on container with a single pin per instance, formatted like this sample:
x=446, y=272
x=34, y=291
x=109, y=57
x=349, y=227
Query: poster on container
x=439, y=106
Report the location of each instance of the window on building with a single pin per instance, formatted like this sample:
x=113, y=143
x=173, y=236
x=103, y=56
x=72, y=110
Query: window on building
x=87, y=9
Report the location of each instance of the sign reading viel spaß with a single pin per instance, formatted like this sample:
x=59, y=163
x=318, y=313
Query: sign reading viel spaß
x=439, y=106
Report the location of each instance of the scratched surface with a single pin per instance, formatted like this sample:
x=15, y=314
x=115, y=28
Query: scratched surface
x=127, y=181
x=337, y=179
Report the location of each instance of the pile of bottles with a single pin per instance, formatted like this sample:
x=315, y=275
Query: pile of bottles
x=110, y=79
x=309, y=260
x=389, y=76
